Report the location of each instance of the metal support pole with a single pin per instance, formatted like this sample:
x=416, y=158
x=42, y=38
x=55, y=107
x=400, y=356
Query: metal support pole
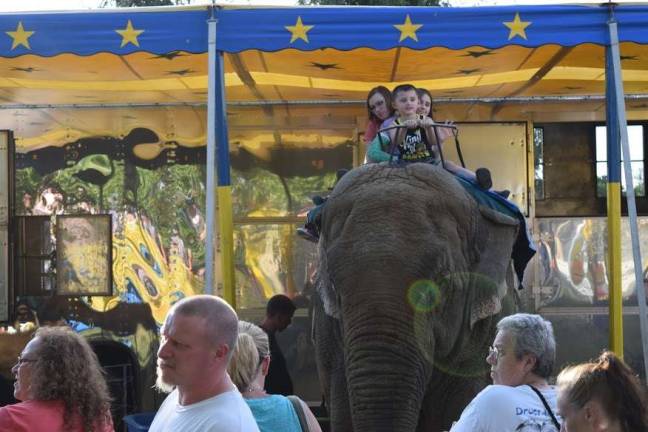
x=630, y=195
x=212, y=170
x=613, y=209
x=219, y=254
x=224, y=188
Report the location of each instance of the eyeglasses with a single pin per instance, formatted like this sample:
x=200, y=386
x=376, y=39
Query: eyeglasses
x=22, y=360
x=497, y=352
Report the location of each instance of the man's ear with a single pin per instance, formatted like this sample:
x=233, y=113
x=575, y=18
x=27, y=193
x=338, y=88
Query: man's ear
x=222, y=351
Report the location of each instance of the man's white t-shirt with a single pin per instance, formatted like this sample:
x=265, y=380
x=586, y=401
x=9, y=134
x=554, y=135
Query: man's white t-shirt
x=500, y=408
x=226, y=412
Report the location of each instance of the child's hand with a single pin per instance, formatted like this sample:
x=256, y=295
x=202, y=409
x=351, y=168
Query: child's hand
x=446, y=132
x=411, y=124
x=427, y=122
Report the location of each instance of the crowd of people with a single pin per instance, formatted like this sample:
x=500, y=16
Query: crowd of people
x=400, y=128
x=410, y=134
x=217, y=371
x=604, y=395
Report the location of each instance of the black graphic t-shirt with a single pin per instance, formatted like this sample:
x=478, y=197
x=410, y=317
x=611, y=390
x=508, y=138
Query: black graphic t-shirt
x=413, y=147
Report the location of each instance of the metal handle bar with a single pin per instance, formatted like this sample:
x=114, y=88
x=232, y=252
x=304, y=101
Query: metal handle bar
x=434, y=124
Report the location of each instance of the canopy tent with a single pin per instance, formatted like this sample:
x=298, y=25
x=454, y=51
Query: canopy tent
x=276, y=64
x=278, y=57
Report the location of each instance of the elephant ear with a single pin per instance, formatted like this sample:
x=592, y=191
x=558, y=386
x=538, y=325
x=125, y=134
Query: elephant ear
x=494, y=240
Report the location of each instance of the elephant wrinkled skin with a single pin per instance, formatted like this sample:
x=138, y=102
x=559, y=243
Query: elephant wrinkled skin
x=412, y=279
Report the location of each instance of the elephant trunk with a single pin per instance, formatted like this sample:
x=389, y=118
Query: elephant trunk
x=386, y=370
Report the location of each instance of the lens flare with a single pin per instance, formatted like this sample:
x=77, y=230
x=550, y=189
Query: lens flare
x=467, y=356
x=424, y=295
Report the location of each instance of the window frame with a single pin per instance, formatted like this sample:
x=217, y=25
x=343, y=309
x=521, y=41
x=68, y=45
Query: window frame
x=538, y=162
x=643, y=161
x=641, y=201
x=31, y=265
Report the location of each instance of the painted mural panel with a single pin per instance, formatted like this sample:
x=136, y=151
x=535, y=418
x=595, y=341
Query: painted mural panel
x=151, y=180
x=83, y=255
x=153, y=191
x=146, y=169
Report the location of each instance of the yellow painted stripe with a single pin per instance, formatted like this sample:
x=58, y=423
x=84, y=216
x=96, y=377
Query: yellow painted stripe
x=199, y=82
x=162, y=84
x=226, y=226
x=614, y=258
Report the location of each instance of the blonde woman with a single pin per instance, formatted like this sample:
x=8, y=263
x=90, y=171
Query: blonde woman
x=248, y=369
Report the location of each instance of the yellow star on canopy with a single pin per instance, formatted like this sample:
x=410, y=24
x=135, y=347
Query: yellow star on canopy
x=129, y=35
x=20, y=36
x=298, y=31
x=407, y=29
x=517, y=27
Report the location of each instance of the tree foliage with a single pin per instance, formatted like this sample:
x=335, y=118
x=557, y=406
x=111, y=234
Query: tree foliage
x=375, y=2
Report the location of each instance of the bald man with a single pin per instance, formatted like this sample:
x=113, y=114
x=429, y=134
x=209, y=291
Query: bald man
x=196, y=343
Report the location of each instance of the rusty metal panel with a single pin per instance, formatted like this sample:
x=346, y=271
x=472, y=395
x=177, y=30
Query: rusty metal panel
x=4, y=225
x=501, y=147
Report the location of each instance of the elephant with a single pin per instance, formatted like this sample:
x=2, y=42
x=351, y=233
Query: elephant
x=413, y=276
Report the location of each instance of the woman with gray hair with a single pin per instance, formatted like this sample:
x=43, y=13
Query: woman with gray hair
x=248, y=369
x=521, y=359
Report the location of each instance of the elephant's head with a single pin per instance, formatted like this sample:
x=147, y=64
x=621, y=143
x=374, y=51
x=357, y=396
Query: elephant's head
x=413, y=270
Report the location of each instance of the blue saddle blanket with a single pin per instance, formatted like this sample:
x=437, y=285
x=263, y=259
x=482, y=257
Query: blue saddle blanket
x=523, y=248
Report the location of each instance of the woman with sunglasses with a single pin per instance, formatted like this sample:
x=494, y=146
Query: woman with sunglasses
x=60, y=385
